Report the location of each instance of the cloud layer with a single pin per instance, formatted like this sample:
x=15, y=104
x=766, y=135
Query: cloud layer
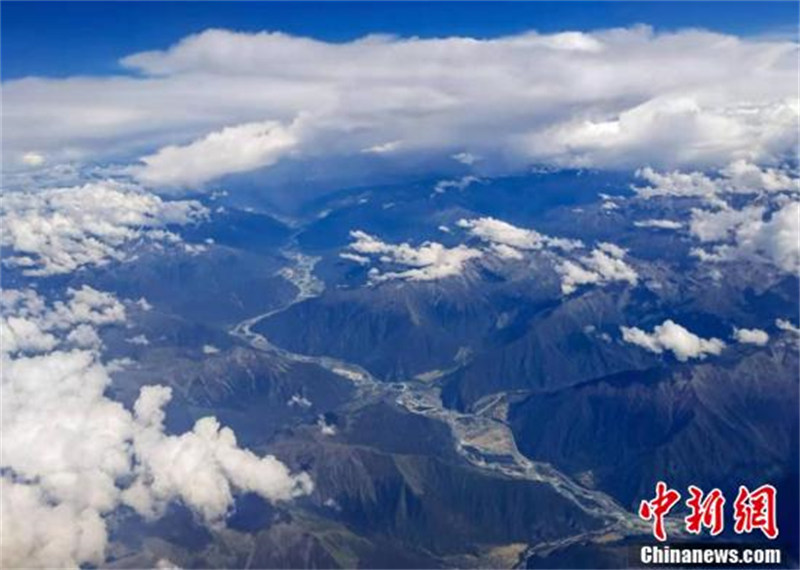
x=610, y=98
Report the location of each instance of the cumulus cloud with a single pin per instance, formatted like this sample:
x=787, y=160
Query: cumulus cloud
x=750, y=233
x=723, y=224
x=139, y=340
x=459, y=184
x=787, y=326
x=325, y=428
x=28, y=325
x=739, y=177
x=507, y=240
x=61, y=536
x=429, y=93
x=604, y=264
x=230, y=150
x=71, y=454
x=200, y=467
x=673, y=337
x=659, y=224
x=59, y=230
x=428, y=262
x=751, y=336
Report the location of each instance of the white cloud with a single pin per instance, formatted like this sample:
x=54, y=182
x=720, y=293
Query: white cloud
x=383, y=148
x=29, y=326
x=459, y=184
x=84, y=336
x=675, y=338
x=681, y=126
x=71, y=455
x=324, y=427
x=751, y=336
x=597, y=99
x=612, y=249
x=429, y=261
x=139, y=340
x=299, y=400
x=721, y=225
x=230, y=150
x=50, y=536
x=738, y=177
x=786, y=325
x=360, y=259
x=604, y=264
x=749, y=234
x=32, y=159
x=507, y=240
x=659, y=224
x=466, y=158
x=23, y=335
x=201, y=467
x=60, y=230
x=748, y=178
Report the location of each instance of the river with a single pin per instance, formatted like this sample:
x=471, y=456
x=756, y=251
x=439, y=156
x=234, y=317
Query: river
x=482, y=439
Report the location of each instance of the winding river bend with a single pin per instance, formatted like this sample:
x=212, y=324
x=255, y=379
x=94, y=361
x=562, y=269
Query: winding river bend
x=481, y=438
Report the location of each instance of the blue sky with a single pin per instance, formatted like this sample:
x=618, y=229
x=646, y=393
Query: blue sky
x=59, y=39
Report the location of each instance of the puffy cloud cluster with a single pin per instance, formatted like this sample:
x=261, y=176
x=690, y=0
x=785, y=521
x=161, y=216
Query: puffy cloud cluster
x=201, y=467
x=739, y=177
x=431, y=260
x=508, y=241
x=604, y=264
x=723, y=224
x=71, y=455
x=671, y=336
x=28, y=325
x=751, y=336
x=62, y=229
x=598, y=99
x=428, y=262
x=750, y=234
